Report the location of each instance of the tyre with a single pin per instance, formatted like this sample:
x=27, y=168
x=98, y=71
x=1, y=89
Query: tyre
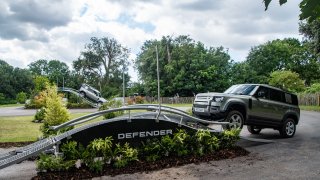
x=288, y=128
x=254, y=129
x=235, y=118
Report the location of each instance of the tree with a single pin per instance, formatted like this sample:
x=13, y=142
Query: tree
x=286, y=54
x=311, y=31
x=286, y=80
x=186, y=67
x=55, y=110
x=14, y=80
x=314, y=88
x=310, y=9
x=55, y=70
x=102, y=63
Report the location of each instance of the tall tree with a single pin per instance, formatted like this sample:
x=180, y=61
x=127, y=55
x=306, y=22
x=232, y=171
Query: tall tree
x=14, y=80
x=186, y=67
x=102, y=63
x=311, y=31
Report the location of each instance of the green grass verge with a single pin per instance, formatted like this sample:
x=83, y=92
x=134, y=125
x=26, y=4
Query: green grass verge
x=310, y=108
x=11, y=105
x=21, y=128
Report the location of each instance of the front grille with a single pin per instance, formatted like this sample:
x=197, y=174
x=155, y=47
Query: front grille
x=200, y=106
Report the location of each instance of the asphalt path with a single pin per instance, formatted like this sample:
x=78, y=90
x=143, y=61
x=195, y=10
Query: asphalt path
x=20, y=111
x=293, y=158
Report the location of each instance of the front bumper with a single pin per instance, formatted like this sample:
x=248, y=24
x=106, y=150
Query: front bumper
x=208, y=112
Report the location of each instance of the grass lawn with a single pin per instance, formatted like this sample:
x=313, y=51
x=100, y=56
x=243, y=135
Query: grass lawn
x=179, y=105
x=310, y=108
x=11, y=105
x=21, y=128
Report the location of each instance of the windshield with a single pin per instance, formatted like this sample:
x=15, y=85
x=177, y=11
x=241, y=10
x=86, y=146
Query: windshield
x=243, y=89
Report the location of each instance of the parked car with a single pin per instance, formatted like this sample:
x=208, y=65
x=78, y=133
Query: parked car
x=256, y=105
x=91, y=93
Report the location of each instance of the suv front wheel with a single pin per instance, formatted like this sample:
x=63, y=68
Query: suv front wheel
x=288, y=129
x=235, y=119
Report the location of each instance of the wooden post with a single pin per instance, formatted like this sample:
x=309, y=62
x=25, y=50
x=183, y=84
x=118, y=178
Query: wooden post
x=318, y=99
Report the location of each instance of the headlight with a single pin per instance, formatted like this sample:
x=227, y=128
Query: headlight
x=218, y=99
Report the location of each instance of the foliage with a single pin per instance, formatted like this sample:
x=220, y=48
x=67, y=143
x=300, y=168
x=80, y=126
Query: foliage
x=40, y=83
x=95, y=165
x=70, y=150
x=40, y=114
x=139, y=100
x=14, y=80
x=314, y=88
x=204, y=142
x=78, y=105
x=53, y=163
x=167, y=145
x=310, y=9
x=56, y=112
x=21, y=97
x=186, y=67
x=102, y=63
x=124, y=154
x=102, y=148
x=286, y=54
x=180, y=145
x=228, y=138
x=110, y=105
x=311, y=33
x=286, y=80
x=152, y=149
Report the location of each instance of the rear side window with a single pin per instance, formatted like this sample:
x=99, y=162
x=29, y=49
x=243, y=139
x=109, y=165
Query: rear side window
x=288, y=98
x=276, y=95
x=294, y=99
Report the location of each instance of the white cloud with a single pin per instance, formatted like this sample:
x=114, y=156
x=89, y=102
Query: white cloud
x=236, y=25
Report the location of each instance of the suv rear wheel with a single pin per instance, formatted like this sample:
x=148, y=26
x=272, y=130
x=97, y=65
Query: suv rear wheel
x=288, y=128
x=254, y=129
x=235, y=118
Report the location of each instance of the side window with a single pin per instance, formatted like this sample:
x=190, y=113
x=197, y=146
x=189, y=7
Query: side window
x=262, y=92
x=288, y=98
x=276, y=95
x=294, y=99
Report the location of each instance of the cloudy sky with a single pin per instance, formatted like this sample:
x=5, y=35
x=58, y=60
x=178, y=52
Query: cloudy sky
x=59, y=29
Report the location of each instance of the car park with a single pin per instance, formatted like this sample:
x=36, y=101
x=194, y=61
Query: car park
x=256, y=105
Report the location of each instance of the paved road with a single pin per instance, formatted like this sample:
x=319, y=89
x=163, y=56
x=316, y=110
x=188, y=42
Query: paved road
x=20, y=111
x=294, y=158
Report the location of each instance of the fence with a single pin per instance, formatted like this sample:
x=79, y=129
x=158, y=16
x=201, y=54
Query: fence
x=304, y=99
x=309, y=99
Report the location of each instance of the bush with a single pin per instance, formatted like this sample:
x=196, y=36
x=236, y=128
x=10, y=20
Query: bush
x=21, y=97
x=110, y=105
x=180, y=144
x=53, y=163
x=314, y=88
x=39, y=116
x=101, y=148
x=56, y=113
x=229, y=138
x=70, y=150
x=78, y=105
x=152, y=149
x=139, y=100
x=124, y=154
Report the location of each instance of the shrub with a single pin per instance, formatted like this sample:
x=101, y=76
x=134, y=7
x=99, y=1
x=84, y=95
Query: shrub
x=180, y=145
x=204, y=142
x=139, y=100
x=124, y=154
x=70, y=150
x=110, y=105
x=39, y=116
x=151, y=149
x=56, y=113
x=229, y=138
x=53, y=163
x=167, y=145
x=101, y=148
x=96, y=165
x=78, y=105
x=314, y=88
x=21, y=97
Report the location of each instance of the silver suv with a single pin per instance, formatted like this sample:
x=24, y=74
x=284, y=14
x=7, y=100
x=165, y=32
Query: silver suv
x=91, y=93
x=256, y=105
